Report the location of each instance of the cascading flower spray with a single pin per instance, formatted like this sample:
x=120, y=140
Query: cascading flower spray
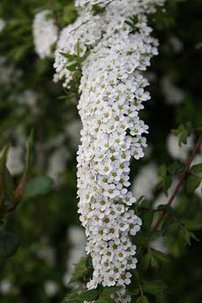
x=112, y=94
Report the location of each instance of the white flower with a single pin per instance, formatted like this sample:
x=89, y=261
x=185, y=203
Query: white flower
x=84, y=33
x=45, y=33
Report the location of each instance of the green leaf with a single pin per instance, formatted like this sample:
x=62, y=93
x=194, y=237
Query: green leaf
x=164, y=179
x=159, y=256
x=182, y=132
x=154, y=262
x=142, y=299
x=192, y=225
x=97, y=9
x=80, y=296
x=69, y=56
x=192, y=183
x=9, y=185
x=38, y=186
x=107, y=291
x=175, y=168
x=186, y=236
x=140, y=200
x=105, y=295
x=197, y=169
x=146, y=261
x=162, y=171
x=78, y=49
x=132, y=22
x=70, y=14
x=105, y=300
x=28, y=154
x=193, y=236
x=153, y=287
x=135, y=291
x=147, y=220
x=6, y=181
x=8, y=244
x=167, y=182
x=72, y=68
x=79, y=270
x=85, y=56
x=3, y=158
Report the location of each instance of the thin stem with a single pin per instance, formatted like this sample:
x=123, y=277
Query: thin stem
x=180, y=183
x=140, y=288
x=142, y=211
x=195, y=175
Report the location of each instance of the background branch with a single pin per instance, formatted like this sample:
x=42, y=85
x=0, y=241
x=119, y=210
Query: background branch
x=180, y=183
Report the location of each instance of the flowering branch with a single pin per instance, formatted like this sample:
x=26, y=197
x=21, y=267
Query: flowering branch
x=112, y=94
x=180, y=183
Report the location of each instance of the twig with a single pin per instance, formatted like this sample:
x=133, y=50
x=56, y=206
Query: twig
x=180, y=183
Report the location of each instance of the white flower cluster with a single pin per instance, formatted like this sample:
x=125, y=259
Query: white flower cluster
x=45, y=33
x=112, y=94
x=83, y=34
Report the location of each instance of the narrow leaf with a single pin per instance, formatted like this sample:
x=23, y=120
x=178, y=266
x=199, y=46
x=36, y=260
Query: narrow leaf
x=8, y=244
x=38, y=186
